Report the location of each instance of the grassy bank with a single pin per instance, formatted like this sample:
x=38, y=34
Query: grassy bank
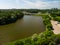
x=46, y=20
x=44, y=38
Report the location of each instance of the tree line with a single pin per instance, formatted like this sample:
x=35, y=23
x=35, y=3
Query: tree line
x=10, y=16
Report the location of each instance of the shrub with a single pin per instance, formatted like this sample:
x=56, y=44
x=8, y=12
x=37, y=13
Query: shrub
x=19, y=43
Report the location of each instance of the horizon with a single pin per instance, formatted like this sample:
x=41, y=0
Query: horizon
x=27, y=9
x=29, y=4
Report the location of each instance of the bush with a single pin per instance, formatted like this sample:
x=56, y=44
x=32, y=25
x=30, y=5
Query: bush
x=19, y=43
x=28, y=41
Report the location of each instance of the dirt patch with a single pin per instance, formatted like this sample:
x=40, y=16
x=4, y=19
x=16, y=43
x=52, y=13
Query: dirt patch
x=56, y=27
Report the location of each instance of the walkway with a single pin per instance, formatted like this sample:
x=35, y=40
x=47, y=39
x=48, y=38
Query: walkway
x=56, y=27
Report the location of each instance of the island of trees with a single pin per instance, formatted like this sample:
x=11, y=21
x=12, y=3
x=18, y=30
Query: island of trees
x=10, y=16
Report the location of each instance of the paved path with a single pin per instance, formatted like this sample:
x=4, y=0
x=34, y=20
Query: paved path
x=56, y=27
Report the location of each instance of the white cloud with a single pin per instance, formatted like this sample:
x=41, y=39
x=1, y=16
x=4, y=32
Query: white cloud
x=39, y=4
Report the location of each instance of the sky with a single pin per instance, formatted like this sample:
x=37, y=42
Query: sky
x=29, y=4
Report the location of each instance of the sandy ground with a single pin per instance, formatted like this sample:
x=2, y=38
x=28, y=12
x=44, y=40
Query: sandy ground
x=56, y=27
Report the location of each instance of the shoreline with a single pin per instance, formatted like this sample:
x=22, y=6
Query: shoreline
x=56, y=27
x=11, y=19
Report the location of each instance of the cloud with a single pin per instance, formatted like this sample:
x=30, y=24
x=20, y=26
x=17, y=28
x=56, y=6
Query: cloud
x=41, y=4
x=36, y=4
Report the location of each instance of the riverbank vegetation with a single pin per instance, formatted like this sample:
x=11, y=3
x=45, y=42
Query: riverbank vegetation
x=46, y=20
x=56, y=15
x=10, y=16
x=47, y=15
x=45, y=38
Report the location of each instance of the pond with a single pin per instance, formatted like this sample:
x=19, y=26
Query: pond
x=22, y=28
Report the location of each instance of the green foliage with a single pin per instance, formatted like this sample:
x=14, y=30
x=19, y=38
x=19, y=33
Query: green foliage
x=28, y=41
x=19, y=43
x=10, y=16
x=45, y=38
x=55, y=15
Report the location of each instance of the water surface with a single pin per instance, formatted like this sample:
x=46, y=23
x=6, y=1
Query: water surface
x=23, y=28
